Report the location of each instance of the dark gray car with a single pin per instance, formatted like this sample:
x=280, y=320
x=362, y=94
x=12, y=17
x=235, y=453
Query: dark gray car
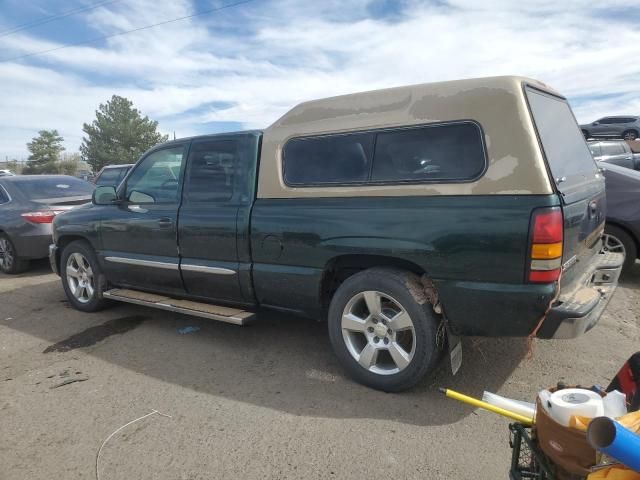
x=617, y=152
x=627, y=127
x=622, y=230
x=28, y=204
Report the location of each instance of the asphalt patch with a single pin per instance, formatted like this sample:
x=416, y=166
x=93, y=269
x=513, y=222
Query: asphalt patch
x=93, y=335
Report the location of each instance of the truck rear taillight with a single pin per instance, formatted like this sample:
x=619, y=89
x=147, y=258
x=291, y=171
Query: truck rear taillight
x=42, y=216
x=546, y=245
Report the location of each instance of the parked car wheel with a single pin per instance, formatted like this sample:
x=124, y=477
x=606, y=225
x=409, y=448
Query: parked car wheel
x=585, y=133
x=617, y=240
x=82, y=277
x=630, y=135
x=9, y=261
x=382, y=336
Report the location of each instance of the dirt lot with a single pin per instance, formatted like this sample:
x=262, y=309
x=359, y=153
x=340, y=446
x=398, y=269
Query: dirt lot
x=265, y=401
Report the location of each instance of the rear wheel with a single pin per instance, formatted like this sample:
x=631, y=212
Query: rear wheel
x=617, y=240
x=382, y=336
x=630, y=135
x=9, y=261
x=82, y=277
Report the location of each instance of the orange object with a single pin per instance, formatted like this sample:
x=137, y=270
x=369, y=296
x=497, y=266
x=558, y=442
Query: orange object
x=631, y=421
x=617, y=472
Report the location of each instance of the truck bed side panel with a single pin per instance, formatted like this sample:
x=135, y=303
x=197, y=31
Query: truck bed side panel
x=473, y=246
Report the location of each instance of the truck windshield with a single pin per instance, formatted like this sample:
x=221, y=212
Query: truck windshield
x=564, y=146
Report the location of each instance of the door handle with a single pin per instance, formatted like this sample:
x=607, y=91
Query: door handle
x=165, y=222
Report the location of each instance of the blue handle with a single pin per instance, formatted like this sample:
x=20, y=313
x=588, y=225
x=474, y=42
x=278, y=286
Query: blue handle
x=608, y=436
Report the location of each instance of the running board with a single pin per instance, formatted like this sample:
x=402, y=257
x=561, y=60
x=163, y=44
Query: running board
x=198, y=309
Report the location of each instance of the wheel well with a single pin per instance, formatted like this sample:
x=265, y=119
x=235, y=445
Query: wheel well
x=628, y=232
x=338, y=269
x=631, y=130
x=63, y=242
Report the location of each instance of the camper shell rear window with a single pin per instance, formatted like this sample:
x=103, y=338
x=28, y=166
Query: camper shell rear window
x=568, y=156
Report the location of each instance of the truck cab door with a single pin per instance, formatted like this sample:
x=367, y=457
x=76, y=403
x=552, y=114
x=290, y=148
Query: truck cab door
x=213, y=224
x=139, y=235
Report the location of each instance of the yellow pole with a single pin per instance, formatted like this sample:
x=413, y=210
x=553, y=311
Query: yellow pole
x=487, y=406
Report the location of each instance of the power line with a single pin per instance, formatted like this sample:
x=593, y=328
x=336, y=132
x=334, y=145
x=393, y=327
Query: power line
x=52, y=18
x=146, y=27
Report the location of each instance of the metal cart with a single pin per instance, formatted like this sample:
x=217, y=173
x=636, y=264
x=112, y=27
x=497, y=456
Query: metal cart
x=527, y=460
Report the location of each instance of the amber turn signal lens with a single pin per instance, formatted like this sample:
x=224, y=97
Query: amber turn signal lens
x=546, y=250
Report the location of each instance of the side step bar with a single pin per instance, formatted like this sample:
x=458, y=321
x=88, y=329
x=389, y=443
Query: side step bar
x=198, y=309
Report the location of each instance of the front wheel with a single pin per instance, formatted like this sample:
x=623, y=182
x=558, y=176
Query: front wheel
x=82, y=277
x=383, y=337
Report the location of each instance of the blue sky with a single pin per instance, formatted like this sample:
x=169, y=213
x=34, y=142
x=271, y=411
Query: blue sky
x=244, y=66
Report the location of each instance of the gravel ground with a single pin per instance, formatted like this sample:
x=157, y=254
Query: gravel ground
x=265, y=401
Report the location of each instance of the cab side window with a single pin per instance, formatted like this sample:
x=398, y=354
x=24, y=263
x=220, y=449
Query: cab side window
x=157, y=178
x=211, y=171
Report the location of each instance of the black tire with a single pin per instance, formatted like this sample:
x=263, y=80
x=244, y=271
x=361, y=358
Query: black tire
x=586, y=134
x=10, y=263
x=630, y=135
x=630, y=249
x=394, y=284
x=94, y=302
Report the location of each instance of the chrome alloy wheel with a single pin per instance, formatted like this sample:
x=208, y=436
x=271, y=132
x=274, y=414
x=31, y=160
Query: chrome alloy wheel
x=378, y=333
x=6, y=254
x=80, y=277
x=612, y=244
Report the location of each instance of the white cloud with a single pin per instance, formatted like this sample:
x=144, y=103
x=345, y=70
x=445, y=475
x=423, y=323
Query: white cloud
x=250, y=64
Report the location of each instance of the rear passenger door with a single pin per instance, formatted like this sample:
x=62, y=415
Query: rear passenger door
x=214, y=217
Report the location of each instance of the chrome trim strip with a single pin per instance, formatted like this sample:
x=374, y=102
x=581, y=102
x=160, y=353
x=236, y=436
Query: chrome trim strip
x=142, y=263
x=204, y=269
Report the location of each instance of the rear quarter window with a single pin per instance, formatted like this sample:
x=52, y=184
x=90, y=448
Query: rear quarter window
x=4, y=197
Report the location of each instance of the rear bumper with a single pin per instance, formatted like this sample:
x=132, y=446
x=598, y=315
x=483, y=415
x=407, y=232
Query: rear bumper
x=34, y=242
x=582, y=302
x=53, y=258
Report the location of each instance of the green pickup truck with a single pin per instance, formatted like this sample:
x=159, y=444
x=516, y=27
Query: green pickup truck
x=405, y=217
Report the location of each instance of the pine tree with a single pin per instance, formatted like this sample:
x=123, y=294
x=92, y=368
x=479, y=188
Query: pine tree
x=45, y=152
x=119, y=134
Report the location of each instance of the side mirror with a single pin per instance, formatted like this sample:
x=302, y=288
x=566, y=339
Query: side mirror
x=104, y=195
x=595, y=123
